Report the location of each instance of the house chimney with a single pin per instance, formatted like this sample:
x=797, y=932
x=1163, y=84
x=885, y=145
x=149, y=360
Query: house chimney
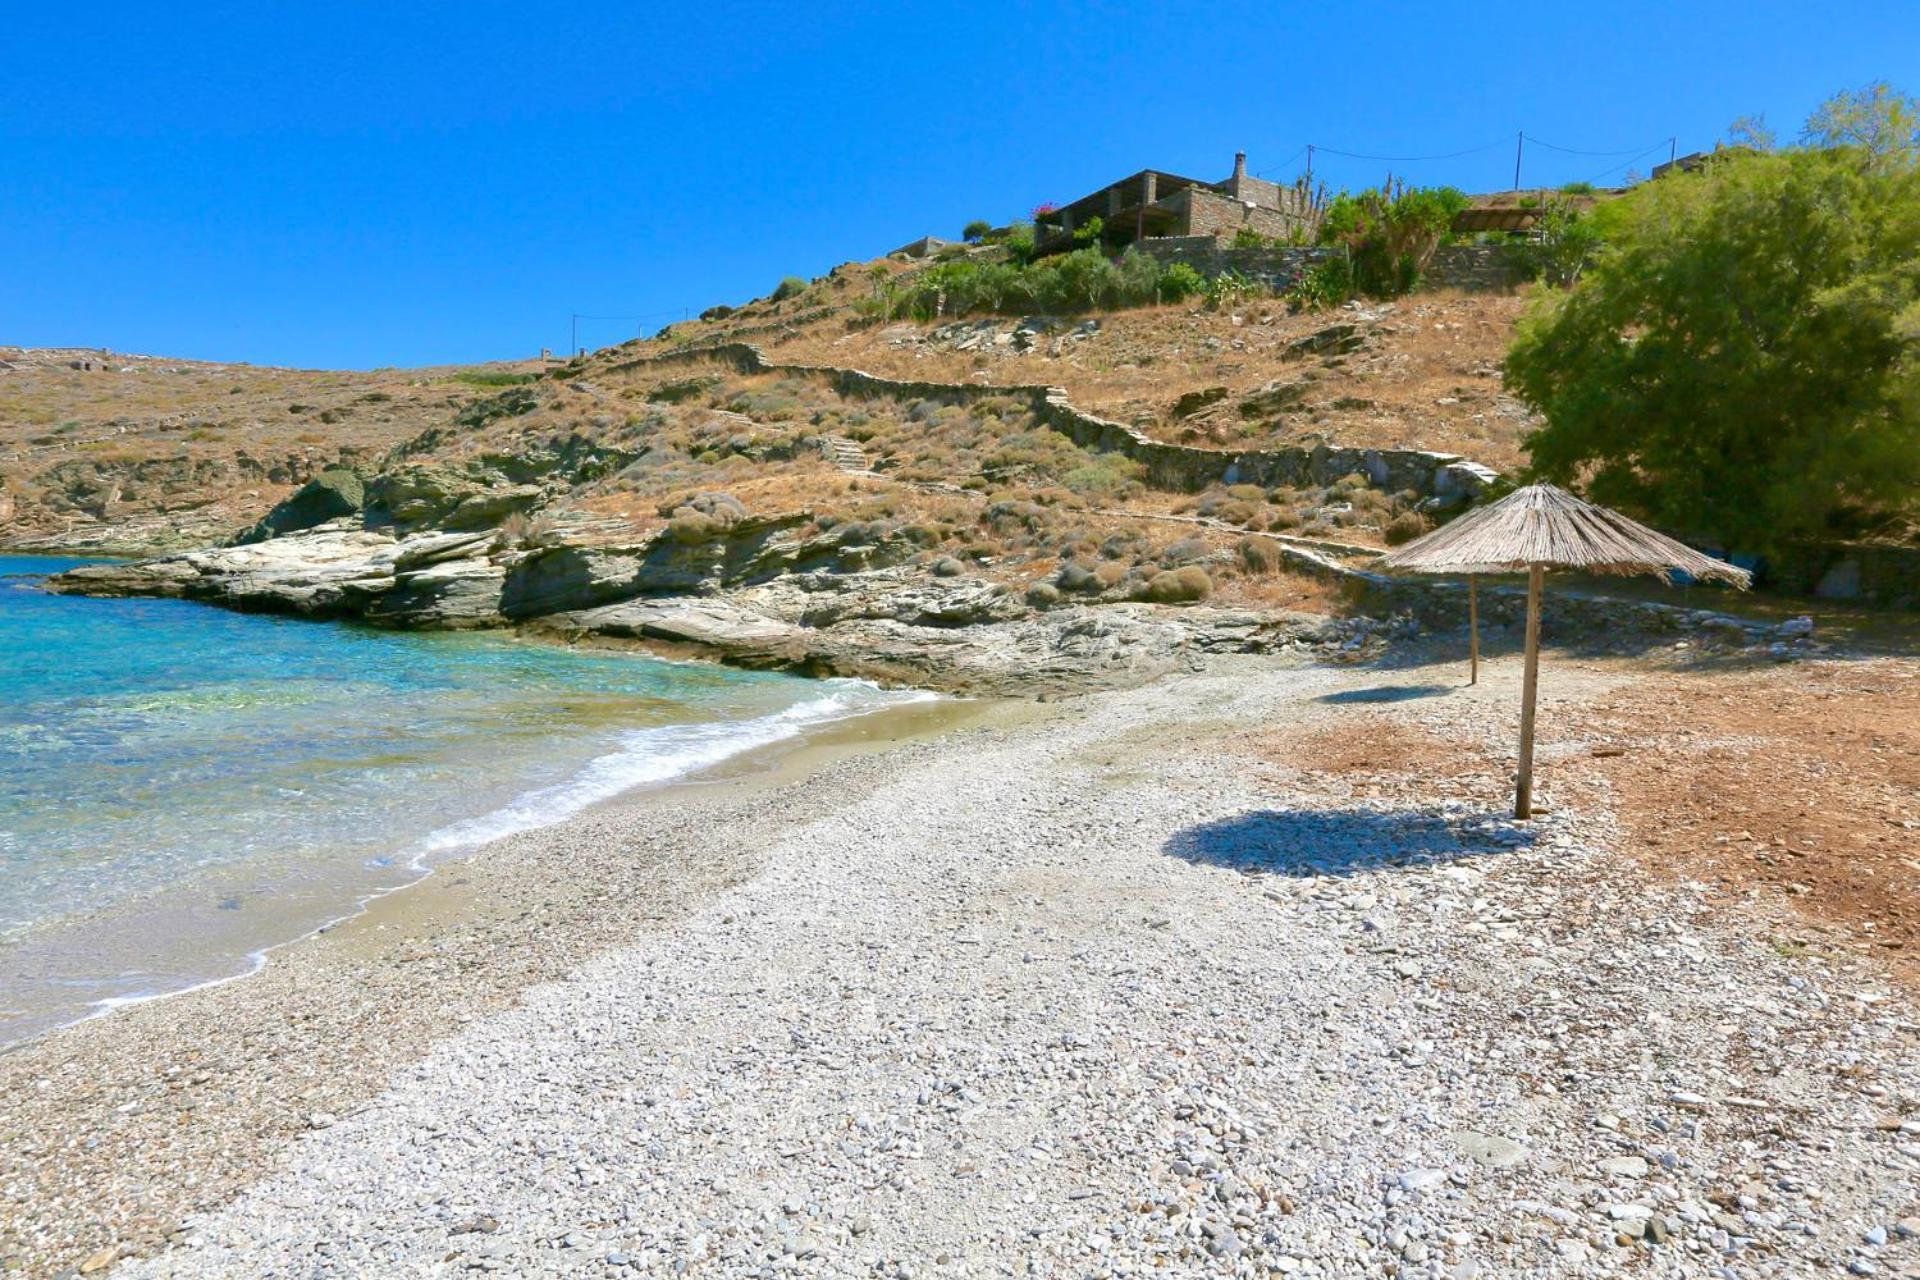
x=1239, y=165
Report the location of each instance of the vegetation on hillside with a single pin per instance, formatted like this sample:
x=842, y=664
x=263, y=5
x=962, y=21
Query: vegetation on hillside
x=1742, y=360
x=1083, y=280
x=1390, y=233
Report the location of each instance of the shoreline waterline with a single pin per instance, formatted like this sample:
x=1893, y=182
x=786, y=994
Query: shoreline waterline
x=170, y=818
x=755, y=762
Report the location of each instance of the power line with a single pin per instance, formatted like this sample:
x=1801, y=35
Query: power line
x=1551, y=146
x=1451, y=155
x=1665, y=142
x=1284, y=164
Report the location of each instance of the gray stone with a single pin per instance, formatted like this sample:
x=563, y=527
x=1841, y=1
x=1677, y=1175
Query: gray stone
x=1624, y=1166
x=1489, y=1150
x=1421, y=1179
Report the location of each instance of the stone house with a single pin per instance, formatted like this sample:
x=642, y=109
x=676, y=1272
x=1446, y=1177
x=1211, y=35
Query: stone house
x=1154, y=204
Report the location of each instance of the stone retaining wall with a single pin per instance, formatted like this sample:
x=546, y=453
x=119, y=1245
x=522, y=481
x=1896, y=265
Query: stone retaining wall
x=1169, y=466
x=1872, y=572
x=1477, y=267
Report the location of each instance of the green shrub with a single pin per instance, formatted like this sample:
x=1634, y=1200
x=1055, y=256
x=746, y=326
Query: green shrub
x=1105, y=475
x=1074, y=576
x=1180, y=282
x=1084, y=280
x=511, y=403
x=1228, y=289
x=789, y=287
x=1325, y=284
x=692, y=528
x=1260, y=555
x=1565, y=246
x=683, y=389
x=1179, y=586
x=1391, y=232
x=1349, y=484
x=976, y=231
x=492, y=378
x=1043, y=595
x=1405, y=527
x=1019, y=243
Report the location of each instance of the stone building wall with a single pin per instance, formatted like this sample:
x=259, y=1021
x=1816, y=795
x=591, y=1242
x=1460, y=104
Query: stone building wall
x=1207, y=213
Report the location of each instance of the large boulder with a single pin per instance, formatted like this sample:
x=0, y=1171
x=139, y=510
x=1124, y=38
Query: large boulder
x=451, y=497
x=691, y=559
x=333, y=493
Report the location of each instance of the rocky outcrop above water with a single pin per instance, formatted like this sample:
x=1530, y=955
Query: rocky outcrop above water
x=330, y=495
x=762, y=592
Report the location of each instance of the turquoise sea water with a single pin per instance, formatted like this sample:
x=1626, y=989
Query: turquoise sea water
x=181, y=786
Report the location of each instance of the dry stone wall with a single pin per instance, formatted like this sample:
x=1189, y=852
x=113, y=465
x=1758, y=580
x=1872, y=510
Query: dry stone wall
x=1445, y=476
x=1485, y=268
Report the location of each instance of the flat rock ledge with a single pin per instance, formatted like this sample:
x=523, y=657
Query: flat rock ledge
x=761, y=597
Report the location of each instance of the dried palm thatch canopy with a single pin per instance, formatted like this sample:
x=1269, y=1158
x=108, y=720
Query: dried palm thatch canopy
x=1535, y=529
x=1547, y=526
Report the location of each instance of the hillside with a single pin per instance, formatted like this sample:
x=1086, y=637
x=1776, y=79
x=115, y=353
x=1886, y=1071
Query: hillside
x=1420, y=373
x=140, y=452
x=102, y=450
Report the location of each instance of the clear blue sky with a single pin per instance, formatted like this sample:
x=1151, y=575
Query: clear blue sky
x=351, y=185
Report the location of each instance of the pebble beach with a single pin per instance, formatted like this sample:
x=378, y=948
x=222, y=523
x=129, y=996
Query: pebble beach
x=1122, y=985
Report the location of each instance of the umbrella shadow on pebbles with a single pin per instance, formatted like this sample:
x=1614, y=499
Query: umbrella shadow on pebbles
x=1386, y=693
x=1344, y=842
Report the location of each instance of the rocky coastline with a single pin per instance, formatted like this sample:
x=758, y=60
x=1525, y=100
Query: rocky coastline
x=760, y=593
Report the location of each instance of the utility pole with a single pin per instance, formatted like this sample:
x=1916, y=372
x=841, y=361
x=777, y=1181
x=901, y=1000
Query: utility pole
x=1309, y=164
x=1673, y=149
x=573, y=339
x=1519, y=146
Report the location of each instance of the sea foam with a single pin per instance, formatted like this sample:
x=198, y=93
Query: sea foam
x=661, y=754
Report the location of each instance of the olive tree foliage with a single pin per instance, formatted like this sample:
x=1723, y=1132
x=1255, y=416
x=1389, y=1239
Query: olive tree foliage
x=1742, y=360
x=1878, y=121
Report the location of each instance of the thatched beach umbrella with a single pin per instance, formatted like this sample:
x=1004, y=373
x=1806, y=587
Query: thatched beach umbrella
x=1539, y=528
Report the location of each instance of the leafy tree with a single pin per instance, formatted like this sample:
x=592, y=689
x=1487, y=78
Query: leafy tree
x=1878, y=120
x=1567, y=242
x=1742, y=361
x=976, y=231
x=1391, y=232
x=1019, y=242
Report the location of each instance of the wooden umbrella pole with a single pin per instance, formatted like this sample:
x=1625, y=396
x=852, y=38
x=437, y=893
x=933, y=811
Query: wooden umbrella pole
x=1530, y=685
x=1473, y=629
